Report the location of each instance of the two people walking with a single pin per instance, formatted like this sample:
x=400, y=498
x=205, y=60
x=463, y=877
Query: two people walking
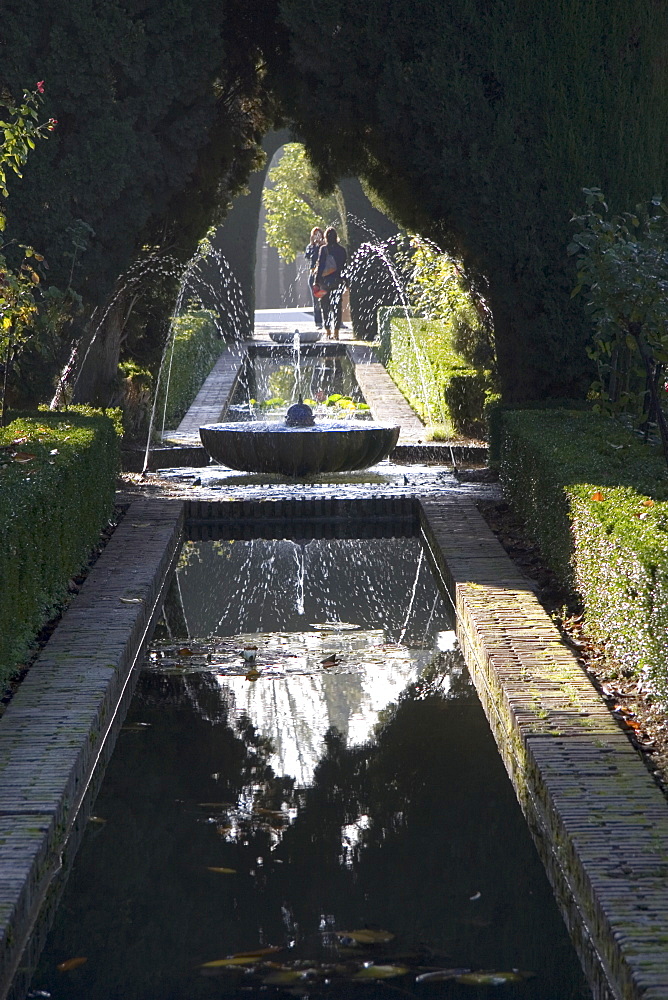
x=326, y=259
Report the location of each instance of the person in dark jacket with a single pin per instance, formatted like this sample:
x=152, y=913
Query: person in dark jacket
x=311, y=254
x=328, y=278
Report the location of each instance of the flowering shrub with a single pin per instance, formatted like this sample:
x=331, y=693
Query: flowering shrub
x=20, y=132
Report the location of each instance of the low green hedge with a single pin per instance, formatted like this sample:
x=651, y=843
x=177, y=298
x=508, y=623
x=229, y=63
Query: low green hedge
x=197, y=345
x=595, y=499
x=437, y=382
x=57, y=482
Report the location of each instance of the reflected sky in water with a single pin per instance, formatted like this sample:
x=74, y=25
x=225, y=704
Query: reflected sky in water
x=283, y=802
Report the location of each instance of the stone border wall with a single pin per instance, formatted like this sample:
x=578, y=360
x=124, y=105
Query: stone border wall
x=59, y=730
x=598, y=820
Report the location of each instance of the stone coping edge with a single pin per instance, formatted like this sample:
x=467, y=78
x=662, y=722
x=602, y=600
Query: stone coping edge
x=60, y=728
x=599, y=822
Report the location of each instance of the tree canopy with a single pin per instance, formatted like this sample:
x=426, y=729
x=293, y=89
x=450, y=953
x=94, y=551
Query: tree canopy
x=294, y=204
x=161, y=108
x=479, y=122
x=476, y=122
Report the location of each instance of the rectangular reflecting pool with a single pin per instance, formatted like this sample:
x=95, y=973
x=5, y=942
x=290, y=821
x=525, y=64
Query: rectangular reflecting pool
x=306, y=800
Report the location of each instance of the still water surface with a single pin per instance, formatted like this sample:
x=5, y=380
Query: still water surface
x=295, y=808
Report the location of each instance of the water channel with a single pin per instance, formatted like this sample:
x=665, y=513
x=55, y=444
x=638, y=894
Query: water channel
x=305, y=767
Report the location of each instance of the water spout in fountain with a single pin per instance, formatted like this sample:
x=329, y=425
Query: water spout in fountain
x=226, y=296
x=235, y=309
x=296, y=347
x=358, y=270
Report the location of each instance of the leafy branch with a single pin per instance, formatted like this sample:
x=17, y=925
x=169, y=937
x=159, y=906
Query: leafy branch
x=623, y=270
x=18, y=284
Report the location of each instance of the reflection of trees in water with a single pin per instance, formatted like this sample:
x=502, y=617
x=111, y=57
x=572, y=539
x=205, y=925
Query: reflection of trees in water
x=245, y=752
x=423, y=819
x=428, y=815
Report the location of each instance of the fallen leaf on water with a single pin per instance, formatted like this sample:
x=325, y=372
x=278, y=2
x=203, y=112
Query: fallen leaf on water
x=96, y=819
x=491, y=978
x=185, y=651
x=131, y=600
x=440, y=975
x=366, y=936
x=381, y=971
x=71, y=963
x=222, y=871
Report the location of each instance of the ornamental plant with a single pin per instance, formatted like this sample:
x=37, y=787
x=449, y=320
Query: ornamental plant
x=623, y=272
x=18, y=283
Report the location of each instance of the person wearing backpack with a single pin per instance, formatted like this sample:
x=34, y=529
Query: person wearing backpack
x=329, y=282
x=311, y=255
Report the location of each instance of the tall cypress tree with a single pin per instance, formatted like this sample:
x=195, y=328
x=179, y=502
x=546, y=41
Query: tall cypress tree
x=479, y=122
x=161, y=108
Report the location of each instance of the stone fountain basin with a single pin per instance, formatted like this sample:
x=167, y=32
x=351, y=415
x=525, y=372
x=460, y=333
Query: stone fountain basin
x=305, y=336
x=329, y=446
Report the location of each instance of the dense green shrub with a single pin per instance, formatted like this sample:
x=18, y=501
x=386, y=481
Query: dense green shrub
x=385, y=315
x=595, y=498
x=437, y=382
x=197, y=345
x=58, y=476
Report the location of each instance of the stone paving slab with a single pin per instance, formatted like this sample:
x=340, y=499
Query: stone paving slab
x=64, y=718
x=599, y=822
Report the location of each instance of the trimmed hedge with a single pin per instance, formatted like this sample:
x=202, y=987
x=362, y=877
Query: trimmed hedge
x=437, y=382
x=197, y=346
x=57, y=482
x=595, y=499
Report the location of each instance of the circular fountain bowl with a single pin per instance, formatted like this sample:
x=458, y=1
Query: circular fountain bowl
x=330, y=446
x=305, y=336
